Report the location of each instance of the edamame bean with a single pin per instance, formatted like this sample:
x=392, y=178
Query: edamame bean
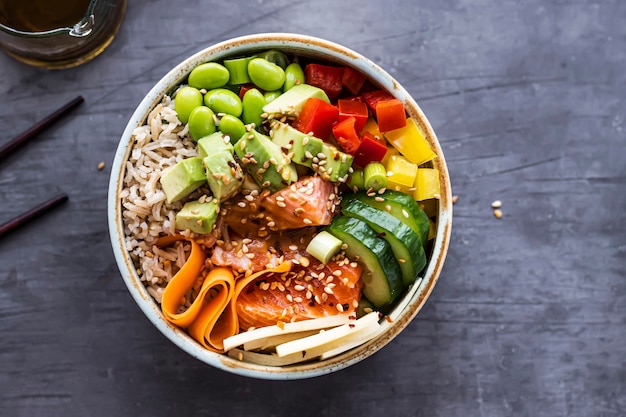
x=253, y=102
x=276, y=57
x=201, y=122
x=187, y=99
x=222, y=100
x=294, y=75
x=233, y=127
x=271, y=95
x=266, y=75
x=208, y=76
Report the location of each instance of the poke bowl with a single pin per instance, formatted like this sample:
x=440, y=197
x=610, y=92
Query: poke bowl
x=279, y=206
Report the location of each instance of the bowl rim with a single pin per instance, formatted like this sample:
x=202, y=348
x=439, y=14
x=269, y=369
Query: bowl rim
x=405, y=310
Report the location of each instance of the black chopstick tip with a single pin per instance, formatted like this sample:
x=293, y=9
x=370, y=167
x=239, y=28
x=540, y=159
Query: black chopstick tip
x=32, y=213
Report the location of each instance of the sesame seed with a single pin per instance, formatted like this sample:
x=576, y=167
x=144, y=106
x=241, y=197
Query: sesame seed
x=355, y=303
x=455, y=198
x=289, y=298
x=299, y=287
x=306, y=221
x=242, y=204
x=328, y=290
x=497, y=213
x=405, y=214
x=281, y=204
x=100, y=166
x=379, y=199
x=304, y=261
x=496, y=204
x=339, y=307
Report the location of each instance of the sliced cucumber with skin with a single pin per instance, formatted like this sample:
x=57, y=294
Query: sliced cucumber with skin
x=401, y=206
x=382, y=277
x=405, y=243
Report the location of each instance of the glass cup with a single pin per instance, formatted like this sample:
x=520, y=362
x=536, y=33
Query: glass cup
x=66, y=46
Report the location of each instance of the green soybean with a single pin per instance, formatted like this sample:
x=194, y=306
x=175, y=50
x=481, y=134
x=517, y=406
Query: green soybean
x=238, y=69
x=271, y=95
x=265, y=74
x=201, y=122
x=208, y=76
x=276, y=57
x=294, y=75
x=187, y=99
x=222, y=100
x=233, y=127
x=253, y=102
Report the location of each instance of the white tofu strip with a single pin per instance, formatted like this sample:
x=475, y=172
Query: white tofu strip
x=298, y=326
x=362, y=333
x=269, y=343
x=328, y=339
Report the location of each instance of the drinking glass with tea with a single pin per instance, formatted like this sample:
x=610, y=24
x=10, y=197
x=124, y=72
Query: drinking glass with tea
x=58, y=33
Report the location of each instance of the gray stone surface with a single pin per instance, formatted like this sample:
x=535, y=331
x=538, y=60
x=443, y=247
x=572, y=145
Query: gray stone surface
x=529, y=315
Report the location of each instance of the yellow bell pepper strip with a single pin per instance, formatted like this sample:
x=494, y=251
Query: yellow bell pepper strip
x=400, y=174
x=410, y=142
x=426, y=184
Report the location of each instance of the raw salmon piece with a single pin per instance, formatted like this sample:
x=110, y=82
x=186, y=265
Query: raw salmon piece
x=303, y=293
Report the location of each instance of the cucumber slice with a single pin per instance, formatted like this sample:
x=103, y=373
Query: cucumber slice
x=405, y=243
x=401, y=206
x=382, y=277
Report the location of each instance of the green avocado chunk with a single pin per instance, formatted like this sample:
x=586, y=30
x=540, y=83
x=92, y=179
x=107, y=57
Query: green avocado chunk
x=198, y=217
x=334, y=165
x=223, y=174
x=213, y=143
x=183, y=178
x=303, y=147
x=265, y=161
x=292, y=100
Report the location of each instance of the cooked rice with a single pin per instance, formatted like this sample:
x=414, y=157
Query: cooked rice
x=157, y=145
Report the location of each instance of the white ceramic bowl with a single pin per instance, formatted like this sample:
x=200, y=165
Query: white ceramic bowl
x=405, y=309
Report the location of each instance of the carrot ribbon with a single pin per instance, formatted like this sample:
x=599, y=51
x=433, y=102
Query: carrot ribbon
x=209, y=320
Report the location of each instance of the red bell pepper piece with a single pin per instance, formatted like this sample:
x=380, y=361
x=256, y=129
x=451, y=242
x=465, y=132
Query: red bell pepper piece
x=318, y=117
x=373, y=97
x=244, y=88
x=325, y=77
x=371, y=149
x=390, y=115
x=353, y=80
x=353, y=108
x=346, y=136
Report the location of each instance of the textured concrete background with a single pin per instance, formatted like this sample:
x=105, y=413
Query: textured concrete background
x=529, y=315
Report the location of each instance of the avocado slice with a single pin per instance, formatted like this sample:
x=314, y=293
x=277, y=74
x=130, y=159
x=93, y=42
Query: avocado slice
x=215, y=142
x=303, y=147
x=294, y=99
x=265, y=162
x=183, y=178
x=198, y=217
x=223, y=174
x=333, y=164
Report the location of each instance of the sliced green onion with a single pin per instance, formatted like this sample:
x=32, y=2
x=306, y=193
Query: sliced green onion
x=375, y=176
x=355, y=180
x=324, y=246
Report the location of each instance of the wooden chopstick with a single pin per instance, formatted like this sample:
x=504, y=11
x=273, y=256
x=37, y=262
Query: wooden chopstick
x=14, y=143
x=32, y=213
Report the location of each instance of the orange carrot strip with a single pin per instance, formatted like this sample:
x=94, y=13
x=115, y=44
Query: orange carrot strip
x=209, y=320
x=181, y=283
